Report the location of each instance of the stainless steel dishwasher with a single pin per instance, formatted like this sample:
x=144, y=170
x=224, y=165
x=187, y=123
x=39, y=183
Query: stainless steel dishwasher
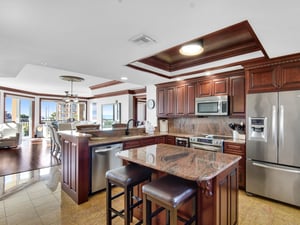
x=102, y=159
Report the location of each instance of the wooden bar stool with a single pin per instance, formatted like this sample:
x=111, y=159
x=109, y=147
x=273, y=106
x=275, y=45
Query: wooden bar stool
x=125, y=177
x=169, y=192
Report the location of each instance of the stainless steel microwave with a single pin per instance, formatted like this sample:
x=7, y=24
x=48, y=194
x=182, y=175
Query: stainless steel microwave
x=211, y=106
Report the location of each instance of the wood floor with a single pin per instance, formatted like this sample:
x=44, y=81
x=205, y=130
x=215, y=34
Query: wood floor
x=32, y=154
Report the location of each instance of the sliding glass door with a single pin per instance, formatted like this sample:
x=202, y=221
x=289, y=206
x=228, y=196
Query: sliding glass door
x=19, y=109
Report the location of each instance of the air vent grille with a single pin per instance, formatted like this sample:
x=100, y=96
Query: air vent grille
x=142, y=39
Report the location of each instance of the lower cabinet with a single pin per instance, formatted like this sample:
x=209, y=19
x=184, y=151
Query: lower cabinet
x=238, y=149
x=143, y=142
x=170, y=140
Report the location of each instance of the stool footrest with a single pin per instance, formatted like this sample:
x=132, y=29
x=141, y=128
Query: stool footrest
x=117, y=213
x=117, y=195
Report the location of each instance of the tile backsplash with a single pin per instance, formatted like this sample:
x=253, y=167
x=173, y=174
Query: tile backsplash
x=217, y=125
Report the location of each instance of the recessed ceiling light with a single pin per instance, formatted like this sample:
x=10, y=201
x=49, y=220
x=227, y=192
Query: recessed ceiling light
x=124, y=78
x=191, y=49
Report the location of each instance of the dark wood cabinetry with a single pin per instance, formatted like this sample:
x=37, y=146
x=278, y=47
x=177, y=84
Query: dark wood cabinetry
x=283, y=76
x=220, y=86
x=212, y=87
x=170, y=140
x=204, y=88
x=176, y=100
x=136, y=143
x=237, y=96
x=238, y=149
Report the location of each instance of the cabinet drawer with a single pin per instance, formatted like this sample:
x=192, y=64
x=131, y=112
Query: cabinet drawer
x=131, y=144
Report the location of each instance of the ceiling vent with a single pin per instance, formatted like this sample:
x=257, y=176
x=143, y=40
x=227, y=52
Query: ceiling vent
x=142, y=39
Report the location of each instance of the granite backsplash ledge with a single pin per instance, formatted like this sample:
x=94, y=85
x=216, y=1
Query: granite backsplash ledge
x=218, y=125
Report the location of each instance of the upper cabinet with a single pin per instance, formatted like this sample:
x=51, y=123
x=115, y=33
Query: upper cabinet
x=281, y=75
x=237, y=96
x=212, y=87
x=178, y=98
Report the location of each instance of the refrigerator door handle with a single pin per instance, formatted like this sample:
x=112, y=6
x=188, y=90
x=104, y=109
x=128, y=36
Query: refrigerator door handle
x=281, y=127
x=274, y=124
x=274, y=167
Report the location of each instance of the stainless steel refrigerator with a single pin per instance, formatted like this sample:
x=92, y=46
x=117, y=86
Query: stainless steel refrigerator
x=273, y=145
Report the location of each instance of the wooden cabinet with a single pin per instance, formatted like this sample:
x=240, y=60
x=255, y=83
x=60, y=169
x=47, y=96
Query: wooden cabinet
x=281, y=77
x=166, y=101
x=220, y=86
x=75, y=167
x=180, y=99
x=170, y=140
x=136, y=143
x=238, y=149
x=237, y=96
x=176, y=100
x=212, y=87
x=204, y=88
x=190, y=98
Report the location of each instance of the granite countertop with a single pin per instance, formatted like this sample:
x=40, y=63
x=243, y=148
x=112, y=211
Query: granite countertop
x=188, y=163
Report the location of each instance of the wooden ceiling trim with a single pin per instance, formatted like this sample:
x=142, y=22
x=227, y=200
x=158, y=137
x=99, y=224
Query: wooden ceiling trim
x=236, y=40
x=106, y=84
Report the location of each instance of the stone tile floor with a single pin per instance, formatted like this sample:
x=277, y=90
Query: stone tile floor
x=38, y=205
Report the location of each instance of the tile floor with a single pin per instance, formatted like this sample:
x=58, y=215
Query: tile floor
x=38, y=205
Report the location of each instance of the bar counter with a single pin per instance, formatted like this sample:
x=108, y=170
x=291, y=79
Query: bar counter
x=216, y=175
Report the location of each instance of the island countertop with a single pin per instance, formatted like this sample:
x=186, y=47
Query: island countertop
x=188, y=163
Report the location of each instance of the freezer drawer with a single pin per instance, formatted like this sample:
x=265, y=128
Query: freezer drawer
x=273, y=181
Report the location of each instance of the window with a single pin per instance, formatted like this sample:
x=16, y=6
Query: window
x=48, y=110
x=111, y=113
x=56, y=110
x=19, y=109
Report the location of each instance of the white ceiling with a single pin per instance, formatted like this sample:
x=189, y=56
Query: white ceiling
x=43, y=39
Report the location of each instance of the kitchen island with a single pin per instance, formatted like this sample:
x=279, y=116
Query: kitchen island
x=216, y=175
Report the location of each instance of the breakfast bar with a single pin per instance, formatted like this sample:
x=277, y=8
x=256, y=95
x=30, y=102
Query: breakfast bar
x=216, y=175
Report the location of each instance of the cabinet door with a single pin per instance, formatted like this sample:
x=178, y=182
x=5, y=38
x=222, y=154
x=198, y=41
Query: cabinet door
x=180, y=100
x=290, y=76
x=204, y=88
x=220, y=86
x=237, y=96
x=160, y=102
x=170, y=140
x=170, y=101
x=238, y=149
x=262, y=80
x=190, y=98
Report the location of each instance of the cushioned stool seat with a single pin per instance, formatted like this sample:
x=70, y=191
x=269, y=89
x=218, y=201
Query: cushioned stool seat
x=126, y=177
x=170, y=193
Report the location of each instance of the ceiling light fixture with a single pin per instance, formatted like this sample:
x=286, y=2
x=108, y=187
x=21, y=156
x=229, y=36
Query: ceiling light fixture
x=70, y=97
x=192, y=49
x=124, y=78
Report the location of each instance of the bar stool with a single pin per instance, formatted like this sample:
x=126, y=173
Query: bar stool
x=168, y=192
x=125, y=177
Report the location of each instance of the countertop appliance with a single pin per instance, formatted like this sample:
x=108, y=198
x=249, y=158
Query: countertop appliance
x=163, y=126
x=182, y=141
x=272, y=143
x=211, y=106
x=103, y=158
x=208, y=142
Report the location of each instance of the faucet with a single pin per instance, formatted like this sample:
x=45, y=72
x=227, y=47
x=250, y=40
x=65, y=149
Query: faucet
x=127, y=126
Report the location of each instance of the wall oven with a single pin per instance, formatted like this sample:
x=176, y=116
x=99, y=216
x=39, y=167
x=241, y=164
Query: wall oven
x=181, y=141
x=211, y=106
